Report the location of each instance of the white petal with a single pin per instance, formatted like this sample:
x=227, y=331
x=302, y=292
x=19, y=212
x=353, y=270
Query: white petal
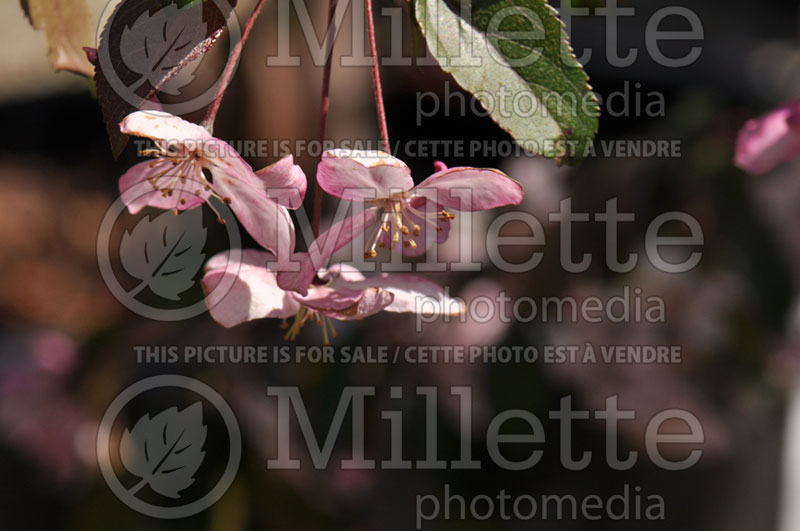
x=161, y=126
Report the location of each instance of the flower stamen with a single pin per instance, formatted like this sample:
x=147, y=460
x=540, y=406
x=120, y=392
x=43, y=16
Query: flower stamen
x=297, y=325
x=302, y=317
x=377, y=241
x=397, y=211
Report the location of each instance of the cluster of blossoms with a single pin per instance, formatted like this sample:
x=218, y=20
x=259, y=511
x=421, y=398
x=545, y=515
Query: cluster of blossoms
x=190, y=167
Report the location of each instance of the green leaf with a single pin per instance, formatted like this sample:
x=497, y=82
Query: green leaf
x=514, y=57
x=68, y=26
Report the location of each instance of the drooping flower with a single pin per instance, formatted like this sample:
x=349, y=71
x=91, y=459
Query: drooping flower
x=384, y=183
x=191, y=166
x=340, y=292
x=769, y=140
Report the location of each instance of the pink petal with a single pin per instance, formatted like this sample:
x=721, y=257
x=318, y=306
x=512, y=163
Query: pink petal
x=471, y=189
x=137, y=191
x=475, y=328
x=326, y=298
x=347, y=305
x=412, y=294
x=345, y=271
x=267, y=222
x=253, y=292
x=363, y=175
x=247, y=257
x=321, y=250
x=159, y=126
x=285, y=182
x=765, y=142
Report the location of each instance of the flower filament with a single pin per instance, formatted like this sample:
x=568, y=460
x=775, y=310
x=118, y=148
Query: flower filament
x=397, y=220
x=305, y=314
x=177, y=164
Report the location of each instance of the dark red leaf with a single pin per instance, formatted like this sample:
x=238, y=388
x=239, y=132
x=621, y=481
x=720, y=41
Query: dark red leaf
x=145, y=44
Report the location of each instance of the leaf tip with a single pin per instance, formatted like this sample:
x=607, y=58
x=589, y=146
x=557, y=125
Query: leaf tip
x=91, y=54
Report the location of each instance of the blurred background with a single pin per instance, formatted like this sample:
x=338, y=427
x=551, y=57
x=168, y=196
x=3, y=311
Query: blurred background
x=67, y=346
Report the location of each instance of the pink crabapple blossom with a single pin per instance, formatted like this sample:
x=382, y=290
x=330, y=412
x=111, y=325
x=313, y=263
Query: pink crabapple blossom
x=384, y=182
x=191, y=166
x=341, y=292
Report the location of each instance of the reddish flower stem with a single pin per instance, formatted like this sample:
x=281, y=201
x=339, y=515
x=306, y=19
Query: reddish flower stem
x=323, y=119
x=376, y=77
x=230, y=67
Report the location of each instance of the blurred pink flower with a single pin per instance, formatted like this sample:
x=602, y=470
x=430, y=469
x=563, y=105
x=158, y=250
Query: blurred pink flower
x=41, y=415
x=186, y=154
x=54, y=352
x=769, y=140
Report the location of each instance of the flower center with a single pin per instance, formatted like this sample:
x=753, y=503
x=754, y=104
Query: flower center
x=176, y=165
x=397, y=220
